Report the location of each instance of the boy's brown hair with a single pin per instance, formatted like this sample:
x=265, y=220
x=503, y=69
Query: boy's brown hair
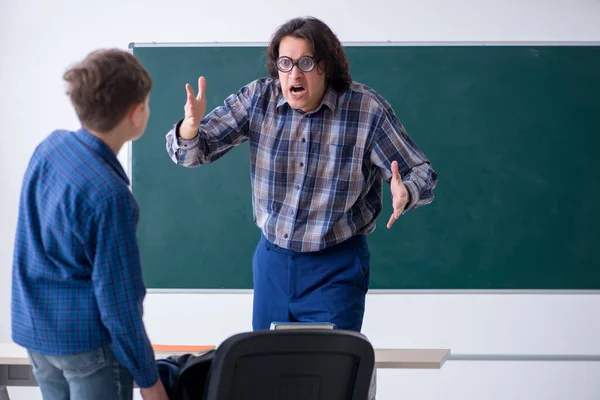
x=104, y=87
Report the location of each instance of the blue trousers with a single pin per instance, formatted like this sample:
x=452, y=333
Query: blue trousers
x=323, y=286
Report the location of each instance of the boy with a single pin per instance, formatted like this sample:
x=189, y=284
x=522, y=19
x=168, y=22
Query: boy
x=77, y=282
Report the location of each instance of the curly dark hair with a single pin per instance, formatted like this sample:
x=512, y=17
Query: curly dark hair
x=324, y=43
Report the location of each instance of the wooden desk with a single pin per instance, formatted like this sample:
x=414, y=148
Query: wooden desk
x=12, y=354
x=411, y=358
x=15, y=369
x=384, y=358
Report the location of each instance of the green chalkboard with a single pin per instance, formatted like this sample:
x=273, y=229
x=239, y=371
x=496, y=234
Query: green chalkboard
x=513, y=131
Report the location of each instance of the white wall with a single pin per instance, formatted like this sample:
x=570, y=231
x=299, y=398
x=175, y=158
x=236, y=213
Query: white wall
x=39, y=38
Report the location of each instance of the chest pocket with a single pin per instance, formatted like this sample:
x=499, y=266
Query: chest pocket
x=341, y=168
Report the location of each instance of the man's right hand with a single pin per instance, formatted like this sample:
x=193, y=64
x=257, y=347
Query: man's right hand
x=195, y=108
x=156, y=392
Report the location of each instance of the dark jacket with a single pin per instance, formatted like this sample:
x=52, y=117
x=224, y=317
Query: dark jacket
x=185, y=377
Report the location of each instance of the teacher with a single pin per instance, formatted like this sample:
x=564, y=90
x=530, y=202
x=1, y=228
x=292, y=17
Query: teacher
x=320, y=147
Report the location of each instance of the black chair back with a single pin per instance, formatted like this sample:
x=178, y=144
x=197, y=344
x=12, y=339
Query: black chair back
x=296, y=364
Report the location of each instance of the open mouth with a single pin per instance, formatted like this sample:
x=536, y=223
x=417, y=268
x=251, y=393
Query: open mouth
x=297, y=90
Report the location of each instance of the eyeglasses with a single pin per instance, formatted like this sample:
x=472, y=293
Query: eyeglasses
x=305, y=63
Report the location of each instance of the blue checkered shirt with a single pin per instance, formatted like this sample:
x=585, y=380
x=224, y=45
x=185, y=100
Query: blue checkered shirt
x=316, y=176
x=77, y=280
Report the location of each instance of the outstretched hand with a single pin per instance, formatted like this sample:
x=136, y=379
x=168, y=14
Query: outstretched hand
x=400, y=195
x=195, y=108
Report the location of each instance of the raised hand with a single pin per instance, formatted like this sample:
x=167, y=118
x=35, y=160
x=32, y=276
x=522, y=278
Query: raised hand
x=195, y=108
x=400, y=195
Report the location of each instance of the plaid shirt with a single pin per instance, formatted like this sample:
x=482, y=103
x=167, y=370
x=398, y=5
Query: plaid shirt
x=316, y=177
x=77, y=280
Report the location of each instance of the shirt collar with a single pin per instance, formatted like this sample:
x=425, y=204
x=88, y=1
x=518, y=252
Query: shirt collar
x=98, y=147
x=329, y=99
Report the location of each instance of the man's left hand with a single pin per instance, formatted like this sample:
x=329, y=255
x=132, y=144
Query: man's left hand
x=400, y=195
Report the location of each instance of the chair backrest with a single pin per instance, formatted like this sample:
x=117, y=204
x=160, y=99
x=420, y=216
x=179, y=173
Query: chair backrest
x=292, y=365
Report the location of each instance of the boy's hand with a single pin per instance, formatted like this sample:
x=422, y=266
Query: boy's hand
x=195, y=108
x=156, y=392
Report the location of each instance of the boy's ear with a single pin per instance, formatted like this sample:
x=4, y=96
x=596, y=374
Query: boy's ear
x=136, y=115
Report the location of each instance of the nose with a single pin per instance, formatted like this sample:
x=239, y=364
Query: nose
x=296, y=72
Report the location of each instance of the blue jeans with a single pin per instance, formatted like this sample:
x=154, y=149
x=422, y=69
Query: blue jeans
x=90, y=375
x=323, y=286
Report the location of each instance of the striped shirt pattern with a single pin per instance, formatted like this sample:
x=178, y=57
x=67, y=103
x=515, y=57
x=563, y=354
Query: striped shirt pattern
x=77, y=279
x=316, y=176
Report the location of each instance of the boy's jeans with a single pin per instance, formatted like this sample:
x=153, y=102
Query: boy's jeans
x=90, y=375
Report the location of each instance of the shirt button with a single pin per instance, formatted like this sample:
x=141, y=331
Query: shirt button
x=292, y=212
x=302, y=164
x=303, y=140
x=285, y=236
x=297, y=187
